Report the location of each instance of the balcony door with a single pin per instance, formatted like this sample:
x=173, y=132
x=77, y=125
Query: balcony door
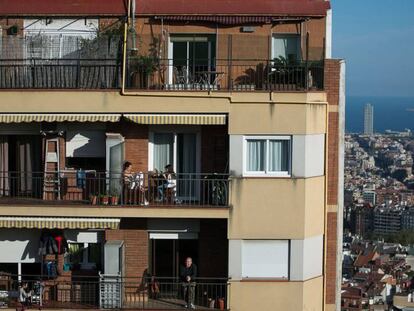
x=182, y=151
x=190, y=56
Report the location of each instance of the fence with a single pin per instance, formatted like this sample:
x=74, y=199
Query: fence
x=226, y=75
x=113, y=189
x=121, y=293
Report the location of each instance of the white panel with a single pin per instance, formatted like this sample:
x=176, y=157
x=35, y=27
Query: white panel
x=76, y=236
x=308, y=155
x=306, y=258
x=88, y=144
x=174, y=236
x=19, y=245
x=328, y=35
x=265, y=259
x=235, y=257
x=85, y=28
x=236, y=155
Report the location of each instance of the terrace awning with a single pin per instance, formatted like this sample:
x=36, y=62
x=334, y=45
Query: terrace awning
x=188, y=119
x=58, y=117
x=59, y=223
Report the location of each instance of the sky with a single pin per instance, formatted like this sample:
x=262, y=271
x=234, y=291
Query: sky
x=376, y=38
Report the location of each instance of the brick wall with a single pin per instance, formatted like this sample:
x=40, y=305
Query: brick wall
x=332, y=83
x=330, y=268
x=136, y=143
x=214, y=149
x=136, y=249
x=241, y=42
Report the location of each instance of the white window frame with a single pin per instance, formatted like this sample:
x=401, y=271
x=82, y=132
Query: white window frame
x=266, y=173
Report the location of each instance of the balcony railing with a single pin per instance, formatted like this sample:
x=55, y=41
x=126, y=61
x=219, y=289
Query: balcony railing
x=112, y=292
x=60, y=74
x=112, y=189
x=224, y=75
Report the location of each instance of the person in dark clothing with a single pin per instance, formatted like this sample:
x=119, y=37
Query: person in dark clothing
x=188, y=276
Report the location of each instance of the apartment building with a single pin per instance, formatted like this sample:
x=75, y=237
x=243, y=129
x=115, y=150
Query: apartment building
x=241, y=100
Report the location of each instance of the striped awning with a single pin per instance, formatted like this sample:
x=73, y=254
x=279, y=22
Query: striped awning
x=58, y=117
x=189, y=119
x=59, y=223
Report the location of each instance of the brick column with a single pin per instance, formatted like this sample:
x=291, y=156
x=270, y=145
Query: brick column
x=136, y=249
x=332, y=85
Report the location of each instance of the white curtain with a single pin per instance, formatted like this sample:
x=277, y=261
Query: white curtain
x=286, y=47
x=278, y=155
x=256, y=155
x=163, y=150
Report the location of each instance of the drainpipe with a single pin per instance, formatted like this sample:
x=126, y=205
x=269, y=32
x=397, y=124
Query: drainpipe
x=132, y=28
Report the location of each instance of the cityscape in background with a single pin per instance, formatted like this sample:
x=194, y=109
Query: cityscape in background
x=378, y=244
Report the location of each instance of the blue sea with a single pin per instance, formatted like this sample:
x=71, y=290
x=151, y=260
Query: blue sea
x=390, y=113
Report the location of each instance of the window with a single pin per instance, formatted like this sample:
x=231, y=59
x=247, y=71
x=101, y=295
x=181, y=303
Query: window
x=286, y=47
x=265, y=259
x=267, y=156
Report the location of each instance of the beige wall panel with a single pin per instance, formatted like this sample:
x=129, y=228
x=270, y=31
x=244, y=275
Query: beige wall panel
x=277, y=119
x=270, y=296
x=276, y=208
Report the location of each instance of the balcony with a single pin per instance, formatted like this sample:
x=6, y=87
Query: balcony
x=52, y=62
x=114, y=293
x=105, y=189
x=236, y=75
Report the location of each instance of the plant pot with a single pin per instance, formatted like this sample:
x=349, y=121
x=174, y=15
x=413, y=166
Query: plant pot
x=93, y=199
x=105, y=200
x=114, y=200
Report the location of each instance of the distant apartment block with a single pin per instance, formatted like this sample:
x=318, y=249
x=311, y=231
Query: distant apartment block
x=368, y=119
x=387, y=221
x=135, y=134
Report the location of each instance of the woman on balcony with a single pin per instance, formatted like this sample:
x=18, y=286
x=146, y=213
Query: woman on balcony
x=167, y=187
x=131, y=183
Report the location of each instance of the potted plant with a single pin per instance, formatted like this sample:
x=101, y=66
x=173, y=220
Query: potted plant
x=142, y=68
x=113, y=199
x=104, y=199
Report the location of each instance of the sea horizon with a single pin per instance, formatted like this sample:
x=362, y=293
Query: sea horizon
x=390, y=113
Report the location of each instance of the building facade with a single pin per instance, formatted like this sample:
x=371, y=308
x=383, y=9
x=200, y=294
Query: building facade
x=368, y=119
x=242, y=101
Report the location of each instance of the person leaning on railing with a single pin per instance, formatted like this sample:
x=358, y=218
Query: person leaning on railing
x=188, y=274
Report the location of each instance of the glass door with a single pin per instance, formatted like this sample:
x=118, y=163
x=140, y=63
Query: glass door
x=190, y=58
x=188, y=180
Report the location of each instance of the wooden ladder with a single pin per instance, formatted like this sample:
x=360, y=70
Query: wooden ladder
x=51, y=177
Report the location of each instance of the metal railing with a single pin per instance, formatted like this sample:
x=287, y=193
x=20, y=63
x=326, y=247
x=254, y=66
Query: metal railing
x=166, y=75
x=77, y=292
x=225, y=75
x=113, y=189
x=60, y=73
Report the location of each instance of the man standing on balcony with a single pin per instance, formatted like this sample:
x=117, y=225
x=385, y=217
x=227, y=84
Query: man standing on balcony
x=188, y=275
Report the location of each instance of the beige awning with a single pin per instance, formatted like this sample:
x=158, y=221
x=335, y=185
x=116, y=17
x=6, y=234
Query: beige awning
x=59, y=223
x=189, y=119
x=58, y=117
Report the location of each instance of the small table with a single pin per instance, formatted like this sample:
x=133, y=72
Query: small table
x=207, y=75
